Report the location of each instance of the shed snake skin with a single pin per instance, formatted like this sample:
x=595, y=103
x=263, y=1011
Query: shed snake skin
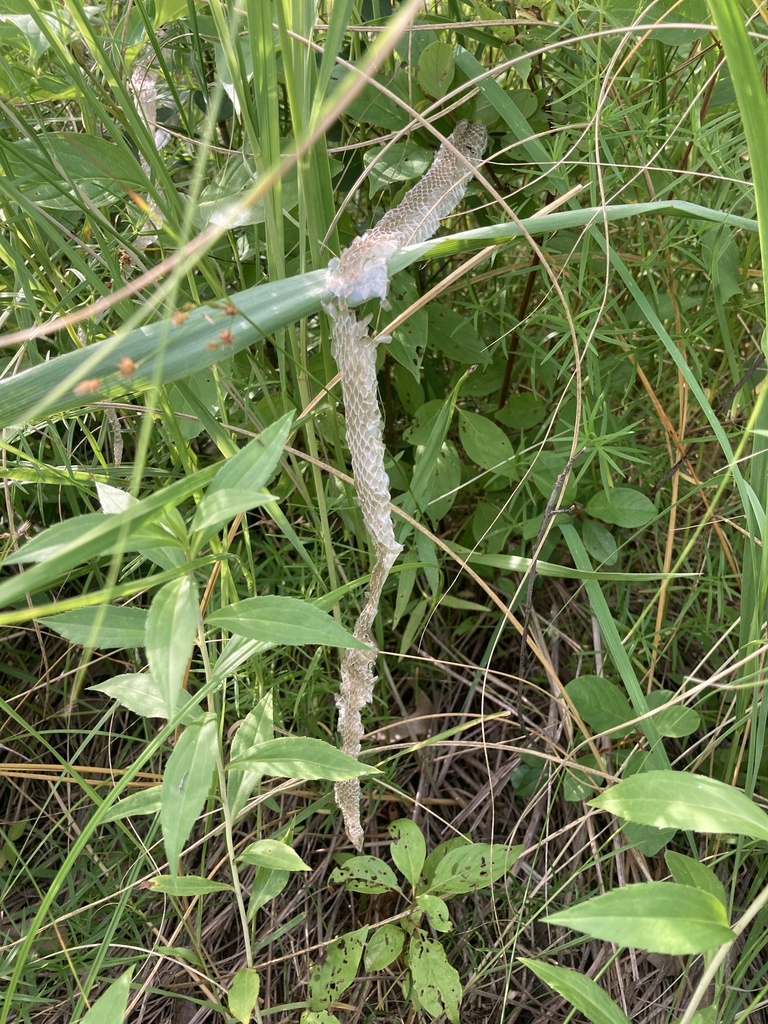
x=360, y=273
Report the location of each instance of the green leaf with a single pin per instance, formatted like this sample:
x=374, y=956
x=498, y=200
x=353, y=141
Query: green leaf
x=299, y=757
x=266, y=885
x=645, y=838
x=321, y=1017
x=455, y=336
x=365, y=874
x=409, y=849
x=244, y=994
x=674, y=721
x=670, y=799
x=687, y=871
x=186, y=784
x=622, y=506
x=601, y=704
x=111, y=1005
x=282, y=620
x=102, y=627
x=522, y=411
x=187, y=885
x=170, y=637
x=146, y=801
x=390, y=164
x=581, y=992
x=475, y=866
x=384, y=947
x=271, y=853
x=599, y=542
x=659, y=917
x=138, y=692
x=256, y=728
x=239, y=484
x=436, y=69
x=436, y=984
x=485, y=443
x=329, y=981
x=437, y=911
x=62, y=171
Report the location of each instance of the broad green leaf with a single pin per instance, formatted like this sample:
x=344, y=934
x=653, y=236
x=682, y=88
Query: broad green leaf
x=365, y=874
x=256, y=728
x=111, y=1005
x=187, y=885
x=102, y=627
x=439, y=853
x=282, y=620
x=471, y=867
x=266, y=885
x=239, y=484
x=374, y=106
x=57, y=538
x=170, y=637
x=581, y=992
x=86, y=168
x=400, y=162
x=436, y=984
x=681, y=800
x=687, y=871
x=409, y=848
x=660, y=917
x=221, y=198
x=622, y=506
x=271, y=853
x=146, y=801
x=599, y=542
x=675, y=721
x=186, y=784
x=329, y=981
x=138, y=692
x=645, y=838
x=522, y=411
x=321, y=1017
x=436, y=69
x=244, y=994
x=455, y=336
x=384, y=947
x=299, y=757
x=601, y=704
x=485, y=442
x=437, y=911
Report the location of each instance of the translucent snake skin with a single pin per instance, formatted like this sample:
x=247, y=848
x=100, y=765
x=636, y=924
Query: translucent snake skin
x=360, y=273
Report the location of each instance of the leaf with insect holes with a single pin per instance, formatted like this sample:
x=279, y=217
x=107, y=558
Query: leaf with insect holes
x=436, y=984
x=328, y=981
x=384, y=947
x=409, y=849
x=475, y=866
x=186, y=784
x=365, y=874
